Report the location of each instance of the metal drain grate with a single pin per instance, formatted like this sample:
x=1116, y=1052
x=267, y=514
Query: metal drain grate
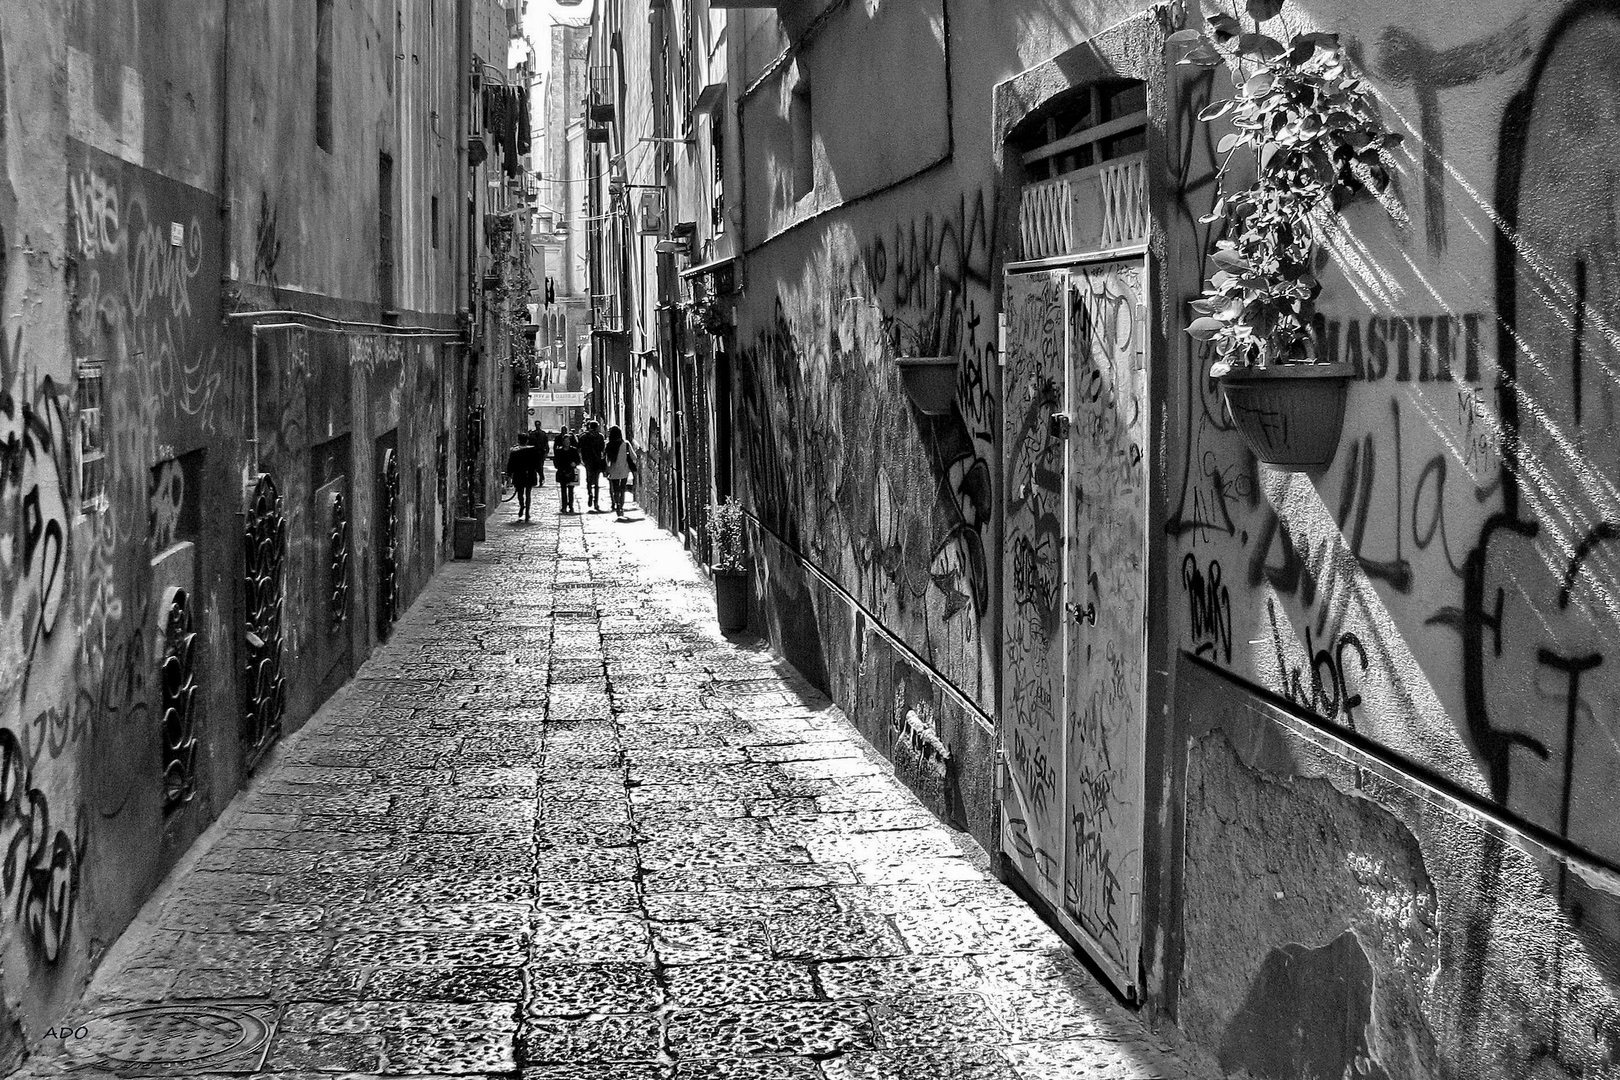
x=179, y=1039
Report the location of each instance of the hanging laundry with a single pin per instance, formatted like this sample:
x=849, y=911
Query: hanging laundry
x=510, y=121
x=523, y=139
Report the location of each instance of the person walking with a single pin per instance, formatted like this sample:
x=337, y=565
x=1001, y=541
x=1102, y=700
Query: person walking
x=565, y=456
x=523, y=469
x=542, y=448
x=621, y=465
x=593, y=455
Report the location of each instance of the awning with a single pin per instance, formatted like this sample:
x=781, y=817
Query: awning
x=709, y=98
x=709, y=267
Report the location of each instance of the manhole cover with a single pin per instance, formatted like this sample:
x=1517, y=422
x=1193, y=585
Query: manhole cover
x=174, y=1040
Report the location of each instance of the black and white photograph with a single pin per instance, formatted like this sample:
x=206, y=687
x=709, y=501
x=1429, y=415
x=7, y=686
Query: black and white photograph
x=809, y=540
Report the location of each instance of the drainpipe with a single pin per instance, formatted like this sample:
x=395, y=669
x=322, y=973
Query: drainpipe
x=227, y=265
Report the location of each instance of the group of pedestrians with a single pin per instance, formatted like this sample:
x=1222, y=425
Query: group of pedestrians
x=597, y=454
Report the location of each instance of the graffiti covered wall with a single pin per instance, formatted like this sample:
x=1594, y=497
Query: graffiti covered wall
x=894, y=514
x=182, y=534
x=896, y=506
x=1445, y=588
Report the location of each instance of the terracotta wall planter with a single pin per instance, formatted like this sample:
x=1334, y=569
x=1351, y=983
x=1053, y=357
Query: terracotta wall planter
x=1289, y=414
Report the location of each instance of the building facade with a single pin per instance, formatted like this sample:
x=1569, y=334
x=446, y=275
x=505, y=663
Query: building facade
x=1315, y=764
x=563, y=312
x=250, y=377
x=659, y=135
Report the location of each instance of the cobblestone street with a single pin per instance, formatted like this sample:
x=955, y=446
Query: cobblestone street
x=559, y=827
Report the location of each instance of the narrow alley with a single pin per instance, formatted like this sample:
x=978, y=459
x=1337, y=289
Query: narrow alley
x=559, y=824
x=1122, y=579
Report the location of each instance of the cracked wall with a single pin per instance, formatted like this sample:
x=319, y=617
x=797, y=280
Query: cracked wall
x=1339, y=918
x=1444, y=588
x=153, y=626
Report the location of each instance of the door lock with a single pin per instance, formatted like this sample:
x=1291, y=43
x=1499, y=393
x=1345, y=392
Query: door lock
x=1058, y=426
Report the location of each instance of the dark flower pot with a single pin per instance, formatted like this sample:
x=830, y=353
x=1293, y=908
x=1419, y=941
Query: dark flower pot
x=463, y=537
x=731, y=598
x=1289, y=414
x=930, y=382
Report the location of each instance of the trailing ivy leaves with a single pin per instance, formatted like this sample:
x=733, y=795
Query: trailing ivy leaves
x=1301, y=111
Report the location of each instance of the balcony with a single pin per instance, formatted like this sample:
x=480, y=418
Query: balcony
x=599, y=100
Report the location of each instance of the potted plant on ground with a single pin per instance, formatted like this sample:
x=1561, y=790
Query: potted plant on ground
x=730, y=568
x=1311, y=126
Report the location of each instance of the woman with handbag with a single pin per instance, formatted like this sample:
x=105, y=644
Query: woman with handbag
x=621, y=465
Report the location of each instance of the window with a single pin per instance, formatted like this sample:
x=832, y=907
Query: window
x=323, y=74
x=1098, y=123
x=1085, y=186
x=92, y=453
x=433, y=221
x=385, y=231
x=804, y=165
x=717, y=144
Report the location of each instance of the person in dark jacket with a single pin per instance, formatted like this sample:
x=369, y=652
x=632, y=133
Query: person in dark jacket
x=565, y=456
x=523, y=467
x=592, y=453
x=621, y=465
x=542, y=449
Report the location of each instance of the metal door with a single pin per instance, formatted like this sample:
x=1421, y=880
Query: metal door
x=1107, y=574
x=1034, y=631
x=1074, y=648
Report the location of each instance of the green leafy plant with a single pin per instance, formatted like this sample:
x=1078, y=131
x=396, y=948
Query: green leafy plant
x=1311, y=125
x=725, y=526
x=708, y=314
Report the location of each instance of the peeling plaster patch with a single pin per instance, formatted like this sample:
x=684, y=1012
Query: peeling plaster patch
x=126, y=139
x=1307, y=1014
x=134, y=118
x=1272, y=861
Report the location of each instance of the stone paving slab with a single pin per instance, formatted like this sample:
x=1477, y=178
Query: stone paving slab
x=561, y=828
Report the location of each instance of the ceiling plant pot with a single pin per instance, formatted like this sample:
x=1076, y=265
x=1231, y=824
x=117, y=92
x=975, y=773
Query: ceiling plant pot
x=930, y=382
x=1289, y=414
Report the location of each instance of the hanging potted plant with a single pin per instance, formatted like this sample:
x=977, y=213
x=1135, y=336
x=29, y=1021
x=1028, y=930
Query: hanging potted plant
x=1304, y=116
x=730, y=568
x=927, y=366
